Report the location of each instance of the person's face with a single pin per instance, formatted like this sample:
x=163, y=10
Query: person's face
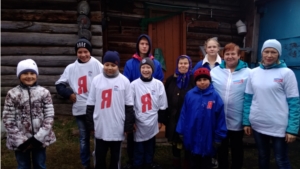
x=269, y=56
x=203, y=83
x=212, y=48
x=183, y=65
x=146, y=71
x=83, y=54
x=143, y=46
x=231, y=58
x=28, y=78
x=110, y=68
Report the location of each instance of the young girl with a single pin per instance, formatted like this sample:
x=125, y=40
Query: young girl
x=212, y=58
x=149, y=102
x=110, y=111
x=28, y=118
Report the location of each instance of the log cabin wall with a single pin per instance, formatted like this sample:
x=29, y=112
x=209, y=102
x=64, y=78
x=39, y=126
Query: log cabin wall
x=45, y=31
x=203, y=19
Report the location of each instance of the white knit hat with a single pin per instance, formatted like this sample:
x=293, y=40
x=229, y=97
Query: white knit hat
x=27, y=65
x=272, y=43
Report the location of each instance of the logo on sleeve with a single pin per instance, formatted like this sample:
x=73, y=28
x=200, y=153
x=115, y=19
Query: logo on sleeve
x=209, y=104
x=238, y=81
x=278, y=80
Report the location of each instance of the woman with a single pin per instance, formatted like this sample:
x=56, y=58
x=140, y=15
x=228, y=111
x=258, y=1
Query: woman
x=212, y=58
x=177, y=86
x=271, y=106
x=229, y=80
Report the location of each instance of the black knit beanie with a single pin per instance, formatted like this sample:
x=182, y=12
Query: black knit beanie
x=83, y=43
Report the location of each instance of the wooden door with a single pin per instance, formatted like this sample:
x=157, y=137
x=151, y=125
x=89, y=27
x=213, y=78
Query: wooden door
x=170, y=36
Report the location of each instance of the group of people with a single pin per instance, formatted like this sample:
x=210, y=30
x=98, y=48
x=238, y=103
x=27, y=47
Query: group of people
x=206, y=109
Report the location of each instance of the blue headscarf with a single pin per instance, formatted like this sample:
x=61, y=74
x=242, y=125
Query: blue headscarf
x=183, y=79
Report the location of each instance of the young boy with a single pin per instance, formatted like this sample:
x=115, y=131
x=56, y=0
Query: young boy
x=132, y=72
x=110, y=111
x=202, y=121
x=149, y=102
x=28, y=118
x=79, y=76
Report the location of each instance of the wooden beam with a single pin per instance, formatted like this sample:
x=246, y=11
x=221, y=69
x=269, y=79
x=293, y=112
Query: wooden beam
x=205, y=36
x=42, y=27
x=4, y=90
x=9, y=70
x=43, y=80
x=59, y=16
x=42, y=61
x=193, y=4
x=44, y=39
x=44, y=50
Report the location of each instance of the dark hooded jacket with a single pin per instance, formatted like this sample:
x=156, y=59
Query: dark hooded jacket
x=132, y=66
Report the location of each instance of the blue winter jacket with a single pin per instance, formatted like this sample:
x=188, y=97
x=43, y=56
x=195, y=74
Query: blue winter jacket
x=202, y=121
x=132, y=66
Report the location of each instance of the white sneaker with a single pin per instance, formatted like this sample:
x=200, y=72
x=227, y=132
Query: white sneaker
x=214, y=163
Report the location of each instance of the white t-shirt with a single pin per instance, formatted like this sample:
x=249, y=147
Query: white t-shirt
x=149, y=97
x=109, y=96
x=269, y=109
x=79, y=76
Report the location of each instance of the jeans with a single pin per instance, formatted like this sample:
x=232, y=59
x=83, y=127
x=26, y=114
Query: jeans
x=84, y=138
x=37, y=155
x=144, y=152
x=280, y=148
x=101, y=152
x=235, y=140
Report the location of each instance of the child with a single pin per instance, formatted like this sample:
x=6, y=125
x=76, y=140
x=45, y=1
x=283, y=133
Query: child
x=79, y=76
x=28, y=118
x=202, y=120
x=110, y=111
x=149, y=99
x=132, y=72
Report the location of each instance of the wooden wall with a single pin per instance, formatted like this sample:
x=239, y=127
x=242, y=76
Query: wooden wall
x=45, y=31
x=203, y=20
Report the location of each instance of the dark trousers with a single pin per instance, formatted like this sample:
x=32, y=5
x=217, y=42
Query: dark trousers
x=280, y=148
x=130, y=147
x=36, y=155
x=144, y=152
x=101, y=151
x=234, y=140
x=200, y=162
x=177, y=152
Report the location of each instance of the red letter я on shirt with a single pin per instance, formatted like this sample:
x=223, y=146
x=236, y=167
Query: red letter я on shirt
x=106, y=98
x=146, y=102
x=209, y=104
x=82, y=85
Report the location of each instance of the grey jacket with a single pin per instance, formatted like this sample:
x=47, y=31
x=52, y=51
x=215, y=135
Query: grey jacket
x=28, y=111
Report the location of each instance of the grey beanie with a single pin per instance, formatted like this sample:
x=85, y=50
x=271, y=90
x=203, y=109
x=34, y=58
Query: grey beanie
x=149, y=62
x=272, y=43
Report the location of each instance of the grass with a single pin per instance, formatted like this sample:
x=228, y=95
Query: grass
x=64, y=153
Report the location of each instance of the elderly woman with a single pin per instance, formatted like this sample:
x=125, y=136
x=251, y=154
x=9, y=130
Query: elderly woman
x=271, y=106
x=229, y=80
x=177, y=86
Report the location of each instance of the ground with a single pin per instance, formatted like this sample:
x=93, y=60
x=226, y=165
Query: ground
x=64, y=153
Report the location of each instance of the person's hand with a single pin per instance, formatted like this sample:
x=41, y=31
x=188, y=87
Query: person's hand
x=289, y=138
x=248, y=130
x=159, y=126
x=73, y=97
